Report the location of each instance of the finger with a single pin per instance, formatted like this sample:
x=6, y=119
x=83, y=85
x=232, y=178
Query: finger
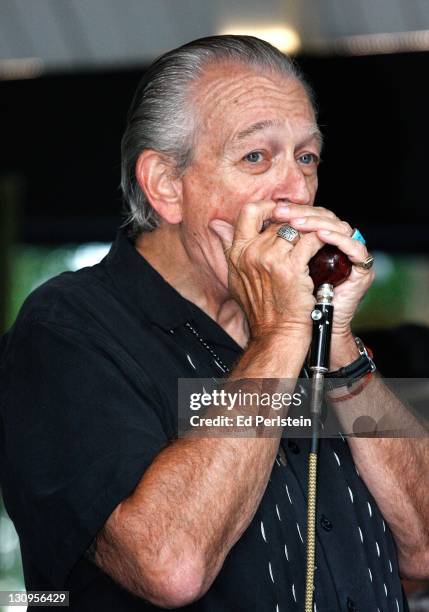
x=315, y=223
x=290, y=211
x=271, y=233
x=355, y=250
x=251, y=219
x=272, y=239
x=225, y=232
x=305, y=249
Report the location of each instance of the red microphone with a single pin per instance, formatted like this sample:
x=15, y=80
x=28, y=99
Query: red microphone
x=329, y=265
x=328, y=268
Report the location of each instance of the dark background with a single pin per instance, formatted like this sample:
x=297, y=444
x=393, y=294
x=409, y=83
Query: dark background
x=60, y=136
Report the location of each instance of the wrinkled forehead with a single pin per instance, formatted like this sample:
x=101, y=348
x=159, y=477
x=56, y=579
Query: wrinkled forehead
x=229, y=99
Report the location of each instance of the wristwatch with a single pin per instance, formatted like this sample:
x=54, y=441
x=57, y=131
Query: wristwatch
x=348, y=375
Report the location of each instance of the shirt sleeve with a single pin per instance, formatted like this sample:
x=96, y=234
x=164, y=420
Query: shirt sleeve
x=81, y=424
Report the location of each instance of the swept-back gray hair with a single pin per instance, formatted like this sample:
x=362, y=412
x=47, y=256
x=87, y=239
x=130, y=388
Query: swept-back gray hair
x=162, y=118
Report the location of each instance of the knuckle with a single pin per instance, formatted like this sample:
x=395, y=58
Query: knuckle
x=249, y=256
x=256, y=209
x=326, y=212
x=347, y=228
x=272, y=259
x=250, y=208
x=313, y=240
x=359, y=249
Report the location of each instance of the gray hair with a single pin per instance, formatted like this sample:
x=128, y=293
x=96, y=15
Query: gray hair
x=161, y=117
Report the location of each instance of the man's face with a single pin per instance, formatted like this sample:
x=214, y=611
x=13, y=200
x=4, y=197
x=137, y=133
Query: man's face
x=257, y=141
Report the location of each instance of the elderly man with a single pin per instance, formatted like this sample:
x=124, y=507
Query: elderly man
x=221, y=143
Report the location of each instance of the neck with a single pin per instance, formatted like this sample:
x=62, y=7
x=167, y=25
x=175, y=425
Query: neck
x=165, y=252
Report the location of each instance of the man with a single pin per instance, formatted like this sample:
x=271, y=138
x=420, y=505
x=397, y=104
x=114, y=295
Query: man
x=221, y=143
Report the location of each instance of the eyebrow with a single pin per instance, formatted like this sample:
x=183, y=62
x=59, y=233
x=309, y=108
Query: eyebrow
x=314, y=131
x=256, y=127
x=317, y=135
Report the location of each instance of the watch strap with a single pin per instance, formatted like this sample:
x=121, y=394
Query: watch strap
x=351, y=373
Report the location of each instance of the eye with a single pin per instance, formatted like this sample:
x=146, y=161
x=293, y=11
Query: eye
x=253, y=157
x=308, y=158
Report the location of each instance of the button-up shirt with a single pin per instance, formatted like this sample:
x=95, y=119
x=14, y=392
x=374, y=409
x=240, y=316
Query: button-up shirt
x=89, y=376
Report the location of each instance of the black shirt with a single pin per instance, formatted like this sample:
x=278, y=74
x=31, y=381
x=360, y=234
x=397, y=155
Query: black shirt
x=88, y=399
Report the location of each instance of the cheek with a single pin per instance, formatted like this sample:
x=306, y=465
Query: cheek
x=233, y=196
x=227, y=207
x=222, y=196
x=222, y=201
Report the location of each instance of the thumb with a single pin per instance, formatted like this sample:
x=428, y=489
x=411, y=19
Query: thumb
x=225, y=232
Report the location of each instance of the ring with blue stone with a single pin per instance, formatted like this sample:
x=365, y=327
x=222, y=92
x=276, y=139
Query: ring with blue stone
x=358, y=236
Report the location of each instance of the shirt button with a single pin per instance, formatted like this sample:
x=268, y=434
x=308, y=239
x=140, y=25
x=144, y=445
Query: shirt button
x=351, y=605
x=293, y=447
x=326, y=523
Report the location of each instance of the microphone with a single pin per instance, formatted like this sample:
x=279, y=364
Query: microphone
x=328, y=268
x=329, y=265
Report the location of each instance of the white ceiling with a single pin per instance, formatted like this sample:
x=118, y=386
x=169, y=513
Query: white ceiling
x=76, y=34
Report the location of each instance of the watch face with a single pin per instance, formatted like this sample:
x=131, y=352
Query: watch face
x=364, y=350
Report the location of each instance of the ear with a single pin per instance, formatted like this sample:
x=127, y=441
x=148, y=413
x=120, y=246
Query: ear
x=155, y=175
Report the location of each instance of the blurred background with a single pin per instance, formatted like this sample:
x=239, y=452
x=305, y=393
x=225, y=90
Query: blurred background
x=68, y=69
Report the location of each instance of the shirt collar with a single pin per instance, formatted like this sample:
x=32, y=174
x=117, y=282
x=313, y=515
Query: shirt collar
x=145, y=287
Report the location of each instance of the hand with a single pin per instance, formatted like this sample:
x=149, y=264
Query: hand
x=267, y=275
x=332, y=230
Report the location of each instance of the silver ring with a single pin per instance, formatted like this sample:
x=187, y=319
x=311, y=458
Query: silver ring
x=289, y=233
x=366, y=264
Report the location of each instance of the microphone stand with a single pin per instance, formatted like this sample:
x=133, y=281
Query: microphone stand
x=322, y=316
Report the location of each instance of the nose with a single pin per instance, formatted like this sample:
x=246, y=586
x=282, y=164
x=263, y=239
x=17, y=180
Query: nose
x=293, y=185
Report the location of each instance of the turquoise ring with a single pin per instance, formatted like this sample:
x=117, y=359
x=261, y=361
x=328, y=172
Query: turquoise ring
x=358, y=236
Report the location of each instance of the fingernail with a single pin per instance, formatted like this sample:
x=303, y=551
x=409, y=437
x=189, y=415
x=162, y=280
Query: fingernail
x=325, y=232
x=300, y=221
